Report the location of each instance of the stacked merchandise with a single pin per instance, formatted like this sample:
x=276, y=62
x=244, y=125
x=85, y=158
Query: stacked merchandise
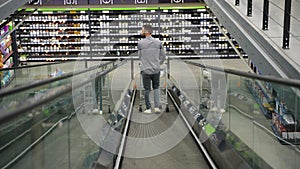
x=48, y=35
x=283, y=123
x=263, y=96
x=93, y=33
x=6, y=52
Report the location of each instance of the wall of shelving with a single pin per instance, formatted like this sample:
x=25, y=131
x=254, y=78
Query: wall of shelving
x=278, y=103
x=93, y=33
x=106, y=2
x=7, y=59
x=45, y=35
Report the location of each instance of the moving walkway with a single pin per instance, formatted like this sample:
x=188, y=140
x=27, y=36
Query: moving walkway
x=207, y=125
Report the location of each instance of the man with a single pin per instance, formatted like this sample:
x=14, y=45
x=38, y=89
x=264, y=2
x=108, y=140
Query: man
x=152, y=55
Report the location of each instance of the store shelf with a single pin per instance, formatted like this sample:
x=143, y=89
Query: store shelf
x=118, y=35
x=8, y=44
x=3, y=35
x=168, y=41
x=54, y=20
x=117, y=31
x=114, y=42
x=139, y=26
x=55, y=35
x=51, y=28
x=52, y=12
x=108, y=50
x=58, y=58
x=54, y=43
x=6, y=57
x=286, y=131
x=285, y=141
x=263, y=89
x=7, y=81
x=62, y=50
x=148, y=19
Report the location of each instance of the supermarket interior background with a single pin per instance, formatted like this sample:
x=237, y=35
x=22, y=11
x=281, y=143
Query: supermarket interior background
x=72, y=96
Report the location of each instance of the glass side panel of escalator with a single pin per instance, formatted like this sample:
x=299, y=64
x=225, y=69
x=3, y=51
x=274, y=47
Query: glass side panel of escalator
x=51, y=135
x=258, y=119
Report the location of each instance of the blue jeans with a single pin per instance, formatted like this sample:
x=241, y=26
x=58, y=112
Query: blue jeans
x=147, y=79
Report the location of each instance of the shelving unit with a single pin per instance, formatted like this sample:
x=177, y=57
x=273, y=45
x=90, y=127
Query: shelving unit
x=52, y=35
x=284, y=125
x=6, y=54
x=61, y=34
x=197, y=36
x=262, y=97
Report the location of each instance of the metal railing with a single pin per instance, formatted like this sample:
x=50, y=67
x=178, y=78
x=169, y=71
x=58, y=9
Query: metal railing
x=282, y=81
x=265, y=18
x=5, y=116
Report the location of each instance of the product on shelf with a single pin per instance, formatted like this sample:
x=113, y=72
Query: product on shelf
x=1, y=62
x=262, y=96
x=185, y=32
x=6, y=54
x=286, y=128
x=283, y=122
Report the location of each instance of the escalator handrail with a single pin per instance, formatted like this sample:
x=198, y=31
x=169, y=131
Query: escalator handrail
x=203, y=149
x=31, y=66
x=43, y=136
x=61, y=62
x=125, y=133
x=10, y=91
x=6, y=116
x=278, y=80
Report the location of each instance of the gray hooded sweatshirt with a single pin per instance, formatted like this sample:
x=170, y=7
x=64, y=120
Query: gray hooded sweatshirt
x=151, y=54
